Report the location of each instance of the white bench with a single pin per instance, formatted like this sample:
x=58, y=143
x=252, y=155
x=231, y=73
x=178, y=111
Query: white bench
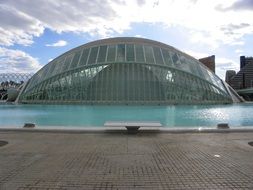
x=133, y=126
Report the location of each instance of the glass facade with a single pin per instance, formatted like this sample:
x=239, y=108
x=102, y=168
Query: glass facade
x=125, y=71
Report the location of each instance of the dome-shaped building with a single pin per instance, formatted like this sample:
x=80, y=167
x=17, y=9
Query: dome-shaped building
x=125, y=71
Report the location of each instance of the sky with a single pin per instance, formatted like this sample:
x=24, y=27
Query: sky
x=33, y=32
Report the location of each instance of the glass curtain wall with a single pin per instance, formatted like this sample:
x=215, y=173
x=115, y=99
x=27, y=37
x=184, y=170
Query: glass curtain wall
x=125, y=73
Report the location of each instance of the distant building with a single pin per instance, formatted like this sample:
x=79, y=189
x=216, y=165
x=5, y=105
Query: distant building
x=245, y=60
x=209, y=62
x=244, y=78
x=242, y=81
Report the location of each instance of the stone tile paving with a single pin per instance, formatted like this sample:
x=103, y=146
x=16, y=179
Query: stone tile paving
x=54, y=161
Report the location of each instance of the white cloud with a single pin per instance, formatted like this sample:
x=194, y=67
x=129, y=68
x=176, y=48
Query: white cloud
x=139, y=36
x=17, y=27
x=239, y=51
x=207, y=24
x=17, y=61
x=196, y=55
x=241, y=5
x=224, y=64
x=60, y=43
x=25, y=19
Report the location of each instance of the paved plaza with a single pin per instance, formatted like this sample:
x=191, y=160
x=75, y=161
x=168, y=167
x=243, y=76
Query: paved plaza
x=47, y=160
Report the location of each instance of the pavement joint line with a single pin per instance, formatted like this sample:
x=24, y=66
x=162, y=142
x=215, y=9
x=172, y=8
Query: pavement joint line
x=112, y=161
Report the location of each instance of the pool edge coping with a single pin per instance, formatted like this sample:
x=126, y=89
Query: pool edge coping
x=51, y=129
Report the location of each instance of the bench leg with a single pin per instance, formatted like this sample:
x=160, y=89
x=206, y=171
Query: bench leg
x=132, y=129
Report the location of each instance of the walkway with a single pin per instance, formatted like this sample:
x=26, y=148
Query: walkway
x=37, y=160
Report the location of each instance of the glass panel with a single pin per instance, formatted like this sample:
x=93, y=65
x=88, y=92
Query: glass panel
x=52, y=69
x=121, y=52
x=175, y=58
x=102, y=54
x=158, y=56
x=84, y=57
x=67, y=63
x=167, y=58
x=111, y=53
x=149, y=54
x=205, y=73
x=58, y=66
x=93, y=55
x=139, y=53
x=130, y=52
x=75, y=59
x=194, y=68
x=46, y=72
x=184, y=64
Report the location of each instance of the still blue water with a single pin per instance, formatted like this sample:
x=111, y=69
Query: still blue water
x=82, y=115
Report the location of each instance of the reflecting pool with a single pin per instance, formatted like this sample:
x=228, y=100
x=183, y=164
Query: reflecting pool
x=237, y=115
